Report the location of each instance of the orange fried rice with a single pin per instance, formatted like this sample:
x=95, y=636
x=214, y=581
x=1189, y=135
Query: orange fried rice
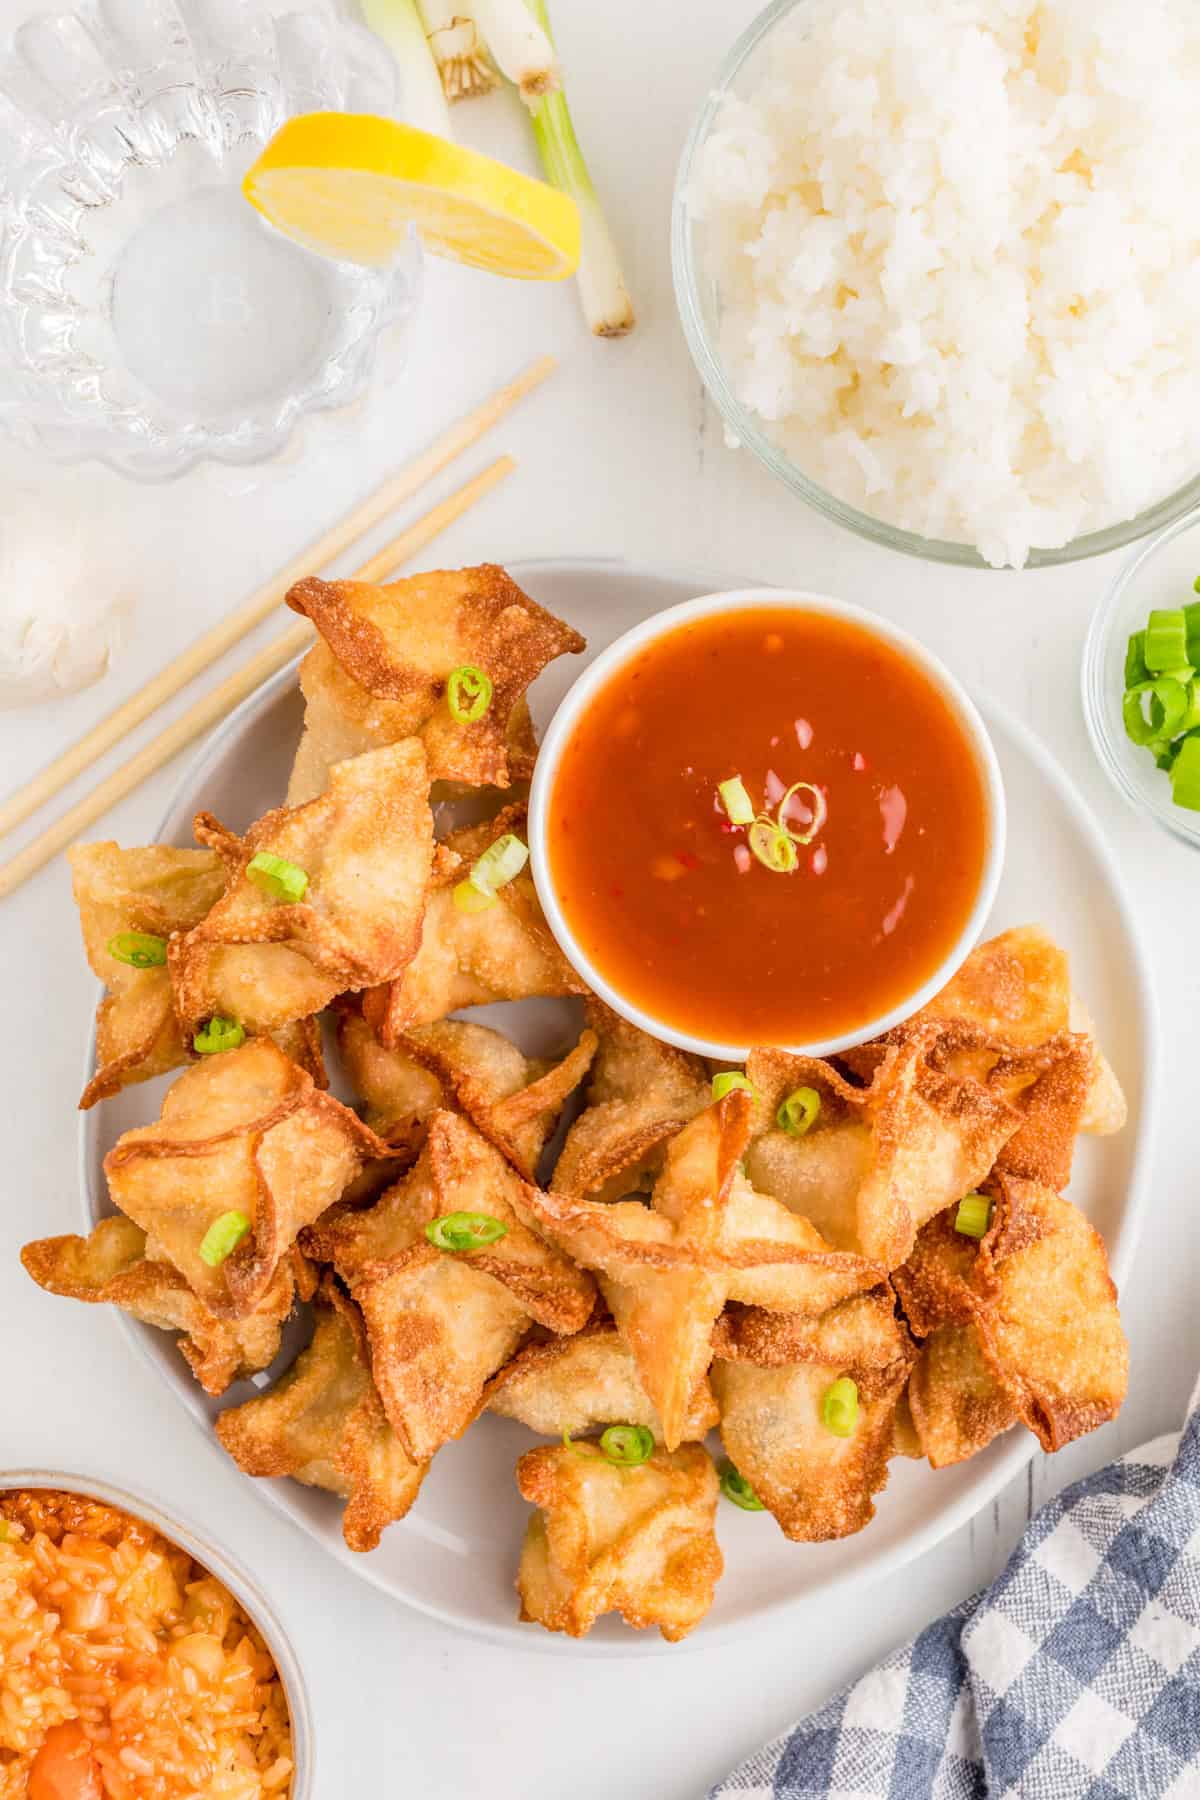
x=117, y=1646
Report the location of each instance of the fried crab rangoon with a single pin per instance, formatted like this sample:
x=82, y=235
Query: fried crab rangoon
x=1017, y=988
x=1022, y=1326
x=666, y=1270
x=366, y=850
x=514, y=1100
x=505, y=952
x=323, y=1424
x=110, y=1267
x=638, y=1541
x=441, y=1322
x=380, y=671
x=641, y=1093
x=818, y=1483
x=243, y=1133
x=879, y=1159
x=155, y=892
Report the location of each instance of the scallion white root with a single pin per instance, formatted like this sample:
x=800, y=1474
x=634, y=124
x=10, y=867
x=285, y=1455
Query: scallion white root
x=520, y=44
x=602, y=291
x=398, y=23
x=458, y=50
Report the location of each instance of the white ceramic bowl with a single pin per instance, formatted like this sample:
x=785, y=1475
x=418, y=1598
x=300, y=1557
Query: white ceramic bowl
x=598, y=674
x=218, y=1562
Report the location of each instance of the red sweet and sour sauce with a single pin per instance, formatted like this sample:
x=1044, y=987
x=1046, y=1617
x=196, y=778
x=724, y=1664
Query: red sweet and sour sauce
x=661, y=890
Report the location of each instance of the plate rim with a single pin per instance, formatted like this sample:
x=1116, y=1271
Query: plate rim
x=946, y=1520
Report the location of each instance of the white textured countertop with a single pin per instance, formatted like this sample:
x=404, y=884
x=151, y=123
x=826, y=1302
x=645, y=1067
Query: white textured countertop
x=619, y=454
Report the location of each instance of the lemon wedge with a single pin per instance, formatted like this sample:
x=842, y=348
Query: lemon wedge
x=349, y=185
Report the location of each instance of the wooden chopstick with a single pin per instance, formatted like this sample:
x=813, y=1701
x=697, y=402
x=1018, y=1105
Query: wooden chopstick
x=231, y=692
x=230, y=630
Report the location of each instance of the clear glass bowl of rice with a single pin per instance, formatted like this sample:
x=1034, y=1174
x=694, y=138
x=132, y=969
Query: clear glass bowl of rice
x=708, y=321
x=136, y=1657
x=1161, y=574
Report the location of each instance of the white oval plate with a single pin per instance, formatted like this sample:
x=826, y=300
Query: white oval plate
x=455, y=1556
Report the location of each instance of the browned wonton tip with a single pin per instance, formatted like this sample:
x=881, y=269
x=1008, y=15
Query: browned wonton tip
x=110, y=1267
x=574, y=1384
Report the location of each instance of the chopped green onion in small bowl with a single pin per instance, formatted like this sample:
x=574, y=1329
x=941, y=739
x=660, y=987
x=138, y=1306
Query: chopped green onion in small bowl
x=1141, y=681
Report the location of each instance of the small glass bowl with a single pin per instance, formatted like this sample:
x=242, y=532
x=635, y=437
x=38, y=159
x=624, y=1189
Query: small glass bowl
x=698, y=298
x=1161, y=574
x=228, y=1572
x=148, y=316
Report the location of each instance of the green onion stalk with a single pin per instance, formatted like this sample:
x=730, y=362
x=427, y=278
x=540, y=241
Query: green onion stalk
x=458, y=50
x=606, y=303
x=399, y=24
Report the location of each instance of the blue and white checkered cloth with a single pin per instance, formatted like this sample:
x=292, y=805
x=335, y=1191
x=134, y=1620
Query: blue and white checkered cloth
x=1075, y=1677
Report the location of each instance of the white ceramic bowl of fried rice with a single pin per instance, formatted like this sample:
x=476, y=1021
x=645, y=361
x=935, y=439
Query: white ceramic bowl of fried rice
x=47, y=1669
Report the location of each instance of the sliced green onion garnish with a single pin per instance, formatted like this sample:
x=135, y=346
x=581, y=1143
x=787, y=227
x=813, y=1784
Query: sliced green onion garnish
x=468, y=693
x=800, y=1111
x=276, y=876
x=725, y=1083
x=1168, y=704
x=628, y=1445
x=735, y=1487
x=219, y=1034
x=1185, y=775
x=739, y=807
x=140, y=949
x=1165, y=647
x=974, y=1215
x=1191, y=624
x=817, y=806
x=839, y=1407
x=223, y=1237
x=773, y=846
x=500, y=863
x=464, y=1231
x=1135, y=660
x=470, y=899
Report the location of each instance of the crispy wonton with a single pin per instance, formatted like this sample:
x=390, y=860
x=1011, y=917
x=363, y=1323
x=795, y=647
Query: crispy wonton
x=110, y=1267
x=666, y=1270
x=441, y=1323
x=818, y=1485
x=638, y=1541
x=367, y=847
x=1023, y=1325
x=641, y=1092
x=880, y=1159
x=574, y=1383
x=244, y=1131
x=515, y=1101
x=158, y=890
x=1017, y=988
x=505, y=952
x=379, y=672
x=324, y=1424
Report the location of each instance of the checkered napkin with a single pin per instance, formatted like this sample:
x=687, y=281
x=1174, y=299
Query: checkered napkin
x=1075, y=1677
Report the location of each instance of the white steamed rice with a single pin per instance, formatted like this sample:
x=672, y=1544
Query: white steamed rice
x=957, y=244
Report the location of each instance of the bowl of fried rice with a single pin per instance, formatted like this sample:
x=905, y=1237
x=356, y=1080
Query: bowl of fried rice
x=137, y=1660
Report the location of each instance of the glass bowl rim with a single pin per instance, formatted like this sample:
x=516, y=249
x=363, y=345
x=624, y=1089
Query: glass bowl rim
x=1111, y=750
x=741, y=422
